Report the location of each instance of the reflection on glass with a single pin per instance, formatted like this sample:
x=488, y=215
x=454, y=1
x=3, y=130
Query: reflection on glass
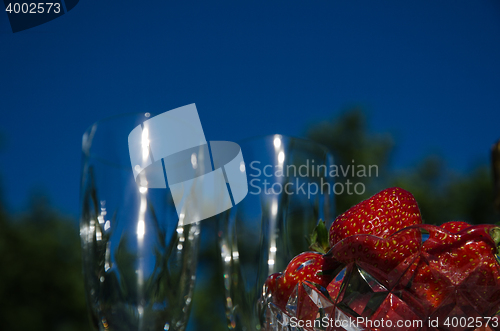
x=267, y=229
x=139, y=259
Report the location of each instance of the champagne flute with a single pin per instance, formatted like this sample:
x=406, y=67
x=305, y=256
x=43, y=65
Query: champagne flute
x=139, y=259
x=289, y=192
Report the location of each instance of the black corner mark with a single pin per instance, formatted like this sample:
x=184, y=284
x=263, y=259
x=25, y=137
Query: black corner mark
x=25, y=14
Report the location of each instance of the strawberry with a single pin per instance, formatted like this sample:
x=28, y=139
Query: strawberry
x=482, y=288
x=469, y=261
x=270, y=283
x=395, y=309
x=423, y=283
x=456, y=270
x=308, y=274
x=388, y=272
x=335, y=286
x=384, y=259
x=455, y=226
x=308, y=266
x=456, y=255
x=381, y=215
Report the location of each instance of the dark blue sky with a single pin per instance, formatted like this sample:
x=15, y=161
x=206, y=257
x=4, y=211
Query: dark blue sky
x=426, y=71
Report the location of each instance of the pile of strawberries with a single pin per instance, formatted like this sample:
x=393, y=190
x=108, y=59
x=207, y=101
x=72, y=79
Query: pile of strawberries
x=378, y=262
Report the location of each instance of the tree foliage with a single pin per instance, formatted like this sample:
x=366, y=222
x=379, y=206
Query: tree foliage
x=442, y=195
x=41, y=283
x=348, y=138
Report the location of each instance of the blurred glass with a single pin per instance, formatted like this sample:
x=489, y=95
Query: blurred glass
x=139, y=261
x=289, y=191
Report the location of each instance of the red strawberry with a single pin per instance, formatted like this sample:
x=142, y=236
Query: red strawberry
x=384, y=259
x=482, y=288
x=270, y=283
x=424, y=284
x=335, y=286
x=455, y=226
x=308, y=266
x=395, y=309
x=382, y=215
x=352, y=294
x=456, y=255
x=468, y=259
x=302, y=286
x=456, y=269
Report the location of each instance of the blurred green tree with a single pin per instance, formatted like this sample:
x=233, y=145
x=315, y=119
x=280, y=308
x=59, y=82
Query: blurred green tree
x=351, y=143
x=441, y=194
x=41, y=283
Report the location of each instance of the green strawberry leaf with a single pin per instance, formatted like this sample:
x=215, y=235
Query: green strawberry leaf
x=318, y=240
x=495, y=235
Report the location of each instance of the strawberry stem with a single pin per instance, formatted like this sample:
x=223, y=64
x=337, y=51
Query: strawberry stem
x=318, y=240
